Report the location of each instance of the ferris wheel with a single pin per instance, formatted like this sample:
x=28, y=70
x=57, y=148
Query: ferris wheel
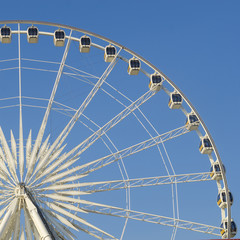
x=97, y=143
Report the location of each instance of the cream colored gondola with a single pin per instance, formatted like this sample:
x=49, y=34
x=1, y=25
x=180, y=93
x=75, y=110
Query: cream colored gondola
x=175, y=100
x=215, y=172
x=205, y=146
x=222, y=199
x=192, y=122
x=224, y=230
x=5, y=34
x=109, y=53
x=32, y=34
x=84, y=44
x=59, y=38
x=155, y=82
x=134, y=66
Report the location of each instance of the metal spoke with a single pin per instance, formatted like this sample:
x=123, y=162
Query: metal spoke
x=104, y=161
x=56, y=208
x=43, y=190
x=45, y=118
x=10, y=160
x=5, y=172
x=57, y=143
x=13, y=147
x=55, y=218
x=92, y=187
x=11, y=211
x=95, y=233
x=151, y=218
x=118, y=118
x=28, y=148
x=52, y=218
x=57, y=163
x=21, y=151
x=96, y=135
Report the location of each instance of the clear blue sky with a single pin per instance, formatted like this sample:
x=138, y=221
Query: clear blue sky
x=195, y=43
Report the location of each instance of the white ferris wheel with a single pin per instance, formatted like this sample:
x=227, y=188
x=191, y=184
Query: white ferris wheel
x=85, y=123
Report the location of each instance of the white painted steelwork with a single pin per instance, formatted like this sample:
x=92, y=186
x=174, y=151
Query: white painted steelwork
x=46, y=183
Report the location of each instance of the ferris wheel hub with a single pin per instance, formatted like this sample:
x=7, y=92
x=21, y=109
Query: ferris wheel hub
x=20, y=190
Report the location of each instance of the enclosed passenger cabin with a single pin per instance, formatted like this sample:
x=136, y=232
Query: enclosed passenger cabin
x=192, y=122
x=5, y=34
x=134, y=66
x=32, y=34
x=222, y=199
x=224, y=230
x=59, y=38
x=110, y=53
x=155, y=82
x=205, y=146
x=84, y=44
x=175, y=100
x=215, y=171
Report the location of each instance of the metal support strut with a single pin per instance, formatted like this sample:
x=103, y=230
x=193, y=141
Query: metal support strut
x=40, y=223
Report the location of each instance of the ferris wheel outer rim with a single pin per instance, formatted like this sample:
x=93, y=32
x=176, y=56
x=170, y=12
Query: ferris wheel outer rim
x=224, y=179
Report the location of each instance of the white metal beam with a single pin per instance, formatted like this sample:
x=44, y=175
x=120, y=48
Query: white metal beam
x=28, y=228
x=38, y=141
x=16, y=226
x=61, y=224
x=96, y=135
x=152, y=218
x=28, y=148
x=62, y=136
x=21, y=148
x=10, y=160
x=11, y=211
x=104, y=161
x=37, y=220
x=70, y=215
x=99, y=163
x=92, y=187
